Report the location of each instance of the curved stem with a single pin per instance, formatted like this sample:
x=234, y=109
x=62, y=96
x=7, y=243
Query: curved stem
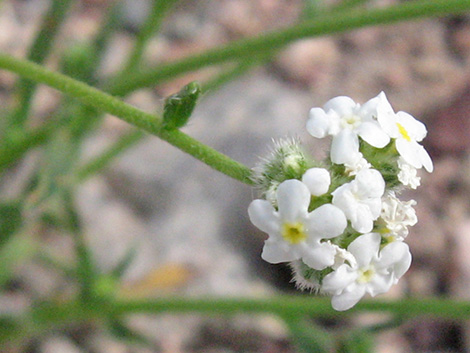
x=321, y=25
x=148, y=122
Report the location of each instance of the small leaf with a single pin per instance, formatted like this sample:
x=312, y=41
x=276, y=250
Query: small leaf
x=125, y=262
x=179, y=106
x=10, y=220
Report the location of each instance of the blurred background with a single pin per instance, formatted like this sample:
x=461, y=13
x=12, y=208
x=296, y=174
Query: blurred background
x=188, y=225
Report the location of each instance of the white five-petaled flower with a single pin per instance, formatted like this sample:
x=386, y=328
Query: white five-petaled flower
x=361, y=199
x=398, y=215
x=345, y=120
x=294, y=233
x=407, y=132
x=374, y=272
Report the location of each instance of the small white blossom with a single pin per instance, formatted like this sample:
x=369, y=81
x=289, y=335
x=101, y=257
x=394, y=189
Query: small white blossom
x=345, y=120
x=407, y=132
x=398, y=215
x=356, y=165
x=361, y=199
x=317, y=180
x=294, y=233
x=374, y=272
x=408, y=175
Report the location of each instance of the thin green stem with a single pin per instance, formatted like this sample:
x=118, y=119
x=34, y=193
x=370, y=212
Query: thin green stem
x=150, y=26
x=148, y=122
x=322, y=25
x=38, y=52
x=51, y=315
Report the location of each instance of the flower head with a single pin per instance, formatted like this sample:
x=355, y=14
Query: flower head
x=345, y=120
x=374, y=272
x=294, y=233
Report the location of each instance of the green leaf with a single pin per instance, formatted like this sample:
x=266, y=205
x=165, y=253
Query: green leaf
x=125, y=262
x=10, y=220
x=179, y=106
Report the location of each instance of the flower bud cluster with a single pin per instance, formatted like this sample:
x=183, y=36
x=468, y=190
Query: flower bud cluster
x=339, y=223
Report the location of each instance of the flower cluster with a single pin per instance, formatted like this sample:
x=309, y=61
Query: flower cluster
x=339, y=223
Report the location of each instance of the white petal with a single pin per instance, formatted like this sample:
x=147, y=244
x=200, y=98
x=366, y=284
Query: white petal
x=388, y=122
x=370, y=183
x=320, y=256
x=376, y=106
x=373, y=134
x=317, y=180
x=410, y=152
x=348, y=298
x=375, y=207
x=365, y=248
x=342, y=105
x=344, y=199
x=426, y=159
x=362, y=219
x=276, y=252
x=318, y=125
x=344, y=147
x=263, y=216
x=415, y=128
x=327, y=221
x=396, y=256
x=293, y=198
x=335, y=282
x=379, y=284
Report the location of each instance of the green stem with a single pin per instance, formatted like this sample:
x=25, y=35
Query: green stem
x=148, y=122
x=52, y=315
x=324, y=25
x=38, y=52
x=151, y=25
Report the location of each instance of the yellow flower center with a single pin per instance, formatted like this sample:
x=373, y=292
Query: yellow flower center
x=366, y=275
x=293, y=233
x=403, y=132
x=351, y=121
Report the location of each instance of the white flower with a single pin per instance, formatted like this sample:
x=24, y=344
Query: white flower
x=398, y=215
x=407, y=132
x=356, y=165
x=317, y=180
x=374, y=272
x=408, y=175
x=361, y=200
x=294, y=233
x=345, y=120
